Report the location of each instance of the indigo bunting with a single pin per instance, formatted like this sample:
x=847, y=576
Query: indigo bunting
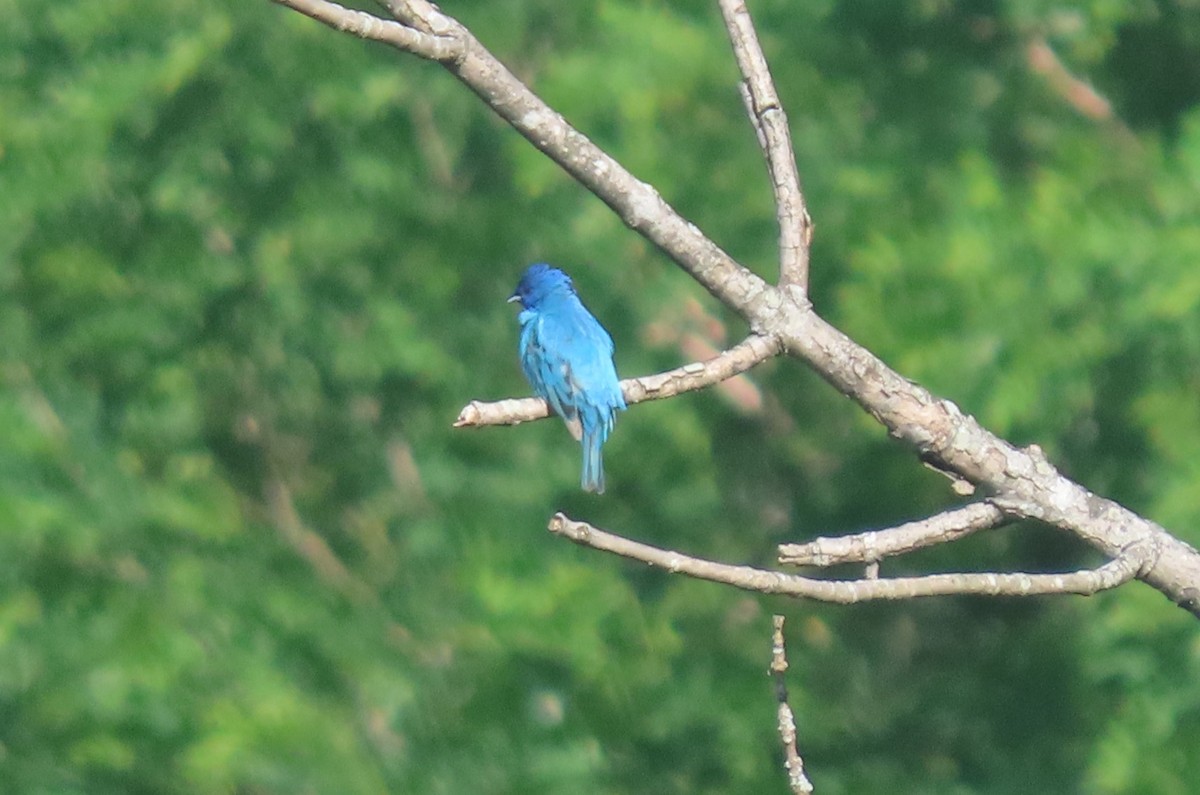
x=568, y=358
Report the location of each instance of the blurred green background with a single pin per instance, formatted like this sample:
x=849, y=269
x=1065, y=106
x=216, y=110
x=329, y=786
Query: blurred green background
x=251, y=268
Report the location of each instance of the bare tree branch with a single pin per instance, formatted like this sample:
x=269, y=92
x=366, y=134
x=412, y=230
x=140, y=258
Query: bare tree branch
x=775, y=137
x=1023, y=480
x=368, y=26
x=637, y=203
x=420, y=14
x=1085, y=582
x=696, y=375
x=874, y=545
x=797, y=780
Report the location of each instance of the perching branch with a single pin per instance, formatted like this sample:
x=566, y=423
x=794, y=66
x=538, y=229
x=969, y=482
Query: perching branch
x=792, y=760
x=875, y=545
x=1085, y=582
x=1020, y=480
x=690, y=377
x=775, y=137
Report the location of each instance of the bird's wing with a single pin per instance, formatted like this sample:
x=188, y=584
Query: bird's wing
x=592, y=369
x=545, y=358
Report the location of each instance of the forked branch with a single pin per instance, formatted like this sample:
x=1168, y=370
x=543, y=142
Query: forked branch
x=1084, y=582
x=369, y=26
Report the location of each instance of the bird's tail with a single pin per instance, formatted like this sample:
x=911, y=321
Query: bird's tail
x=593, y=459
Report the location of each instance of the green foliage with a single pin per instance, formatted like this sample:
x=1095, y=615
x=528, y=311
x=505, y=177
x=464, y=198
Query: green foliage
x=250, y=269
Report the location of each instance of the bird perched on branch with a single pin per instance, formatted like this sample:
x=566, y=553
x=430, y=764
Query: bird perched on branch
x=568, y=358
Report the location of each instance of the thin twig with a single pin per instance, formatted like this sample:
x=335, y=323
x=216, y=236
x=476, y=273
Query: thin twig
x=774, y=136
x=690, y=377
x=797, y=780
x=1085, y=582
x=874, y=545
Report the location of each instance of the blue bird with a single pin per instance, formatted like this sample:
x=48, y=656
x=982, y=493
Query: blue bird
x=568, y=358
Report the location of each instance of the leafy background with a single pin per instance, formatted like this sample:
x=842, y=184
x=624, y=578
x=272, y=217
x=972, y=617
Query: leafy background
x=250, y=269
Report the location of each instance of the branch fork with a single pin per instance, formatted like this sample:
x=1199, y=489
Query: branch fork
x=1085, y=582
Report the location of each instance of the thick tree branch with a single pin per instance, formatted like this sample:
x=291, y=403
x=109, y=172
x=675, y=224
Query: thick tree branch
x=874, y=545
x=1085, y=582
x=696, y=375
x=775, y=137
x=637, y=203
x=1022, y=480
x=792, y=760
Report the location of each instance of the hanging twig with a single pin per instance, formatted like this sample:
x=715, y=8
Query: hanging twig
x=792, y=760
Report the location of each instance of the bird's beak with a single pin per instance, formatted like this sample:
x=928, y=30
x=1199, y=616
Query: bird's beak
x=514, y=297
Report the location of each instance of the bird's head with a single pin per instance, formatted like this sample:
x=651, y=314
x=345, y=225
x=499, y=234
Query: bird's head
x=538, y=283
